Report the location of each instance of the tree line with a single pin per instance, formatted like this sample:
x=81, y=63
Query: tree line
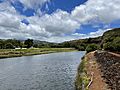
x=109, y=41
x=13, y=43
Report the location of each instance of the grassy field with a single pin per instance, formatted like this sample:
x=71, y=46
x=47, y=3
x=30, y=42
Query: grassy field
x=7, y=53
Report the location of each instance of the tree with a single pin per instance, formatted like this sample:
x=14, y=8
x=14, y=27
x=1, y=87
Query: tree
x=108, y=46
x=92, y=47
x=1, y=45
x=28, y=43
x=9, y=46
x=80, y=47
x=116, y=42
x=113, y=45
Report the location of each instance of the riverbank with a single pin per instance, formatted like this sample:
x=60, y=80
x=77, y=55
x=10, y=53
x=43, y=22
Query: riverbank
x=99, y=70
x=8, y=53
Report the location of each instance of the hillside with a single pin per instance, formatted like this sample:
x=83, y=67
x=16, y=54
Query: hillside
x=99, y=70
x=110, y=40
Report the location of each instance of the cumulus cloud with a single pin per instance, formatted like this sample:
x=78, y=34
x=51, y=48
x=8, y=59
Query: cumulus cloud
x=60, y=25
x=105, y=11
x=56, y=24
x=76, y=36
x=34, y=4
x=6, y=7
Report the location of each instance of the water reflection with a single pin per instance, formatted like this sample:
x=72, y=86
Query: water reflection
x=54, y=71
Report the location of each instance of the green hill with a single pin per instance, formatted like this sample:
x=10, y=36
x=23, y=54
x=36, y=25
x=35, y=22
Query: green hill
x=110, y=40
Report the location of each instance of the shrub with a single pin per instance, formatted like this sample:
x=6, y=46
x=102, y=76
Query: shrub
x=80, y=48
x=112, y=46
x=9, y=46
x=92, y=47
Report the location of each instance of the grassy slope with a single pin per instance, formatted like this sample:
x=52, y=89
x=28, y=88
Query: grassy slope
x=6, y=53
x=82, y=79
x=105, y=68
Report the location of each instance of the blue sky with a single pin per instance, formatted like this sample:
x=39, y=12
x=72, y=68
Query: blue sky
x=58, y=20
x=66, y=5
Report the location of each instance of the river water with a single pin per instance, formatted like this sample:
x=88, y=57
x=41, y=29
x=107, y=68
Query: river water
x=54, y=71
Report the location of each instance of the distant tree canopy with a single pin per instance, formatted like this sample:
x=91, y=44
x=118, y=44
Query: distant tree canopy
x=9, y=43
x=9, y=46
x=109, y=41
x=114, y=45
x=28, y=43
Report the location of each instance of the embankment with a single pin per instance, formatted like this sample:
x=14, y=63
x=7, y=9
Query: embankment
x=100, y=71
x=110, y=67
x=8, y=53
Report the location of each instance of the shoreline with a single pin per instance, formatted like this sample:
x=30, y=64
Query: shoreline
x=10, y=53
x=95, y=70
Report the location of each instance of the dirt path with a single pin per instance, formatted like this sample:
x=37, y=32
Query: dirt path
x=93, y=68
x=118, y=55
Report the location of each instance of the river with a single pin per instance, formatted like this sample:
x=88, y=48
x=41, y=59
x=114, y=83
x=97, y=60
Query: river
x=54, y=71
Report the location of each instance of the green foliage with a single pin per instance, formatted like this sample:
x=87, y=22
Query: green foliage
x=111, y=40
x=6, y=53
x=91, y=47
x=114, y=45
x=28, y=43
x=1, y=45
x=80, y=48
x=111, y=34
x=108, y=46
x=82, y=77
x=116, y=42
x=9, y=46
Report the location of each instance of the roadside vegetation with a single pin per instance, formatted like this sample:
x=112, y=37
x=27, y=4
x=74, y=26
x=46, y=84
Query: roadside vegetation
x=92, y=47
x=109, y=64
x=82, y=79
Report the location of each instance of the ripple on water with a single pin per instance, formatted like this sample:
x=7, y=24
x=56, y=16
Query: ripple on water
x=41, y=72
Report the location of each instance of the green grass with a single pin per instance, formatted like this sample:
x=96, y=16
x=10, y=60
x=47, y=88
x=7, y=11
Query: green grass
x=6, y=53
x=82, y=77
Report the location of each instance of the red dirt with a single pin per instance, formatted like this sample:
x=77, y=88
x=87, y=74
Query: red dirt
x=110, y=67
x=93, y=68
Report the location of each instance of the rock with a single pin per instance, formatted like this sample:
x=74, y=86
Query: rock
x=110, y=67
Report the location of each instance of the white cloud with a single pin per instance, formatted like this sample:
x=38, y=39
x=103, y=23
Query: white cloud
x=97, y=33
x=60, y=25
x=34, y=4
x=105, y=11
x=47, y=26
x=6, y=7
x=77, y=36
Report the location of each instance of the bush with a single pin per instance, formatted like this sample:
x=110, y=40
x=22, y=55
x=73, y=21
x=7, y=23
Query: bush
x=9, y=46
x=80, y=48
x=113, y=46
x=92, y=47
x=108, y=46
x=116, y=42
x=28, y=43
